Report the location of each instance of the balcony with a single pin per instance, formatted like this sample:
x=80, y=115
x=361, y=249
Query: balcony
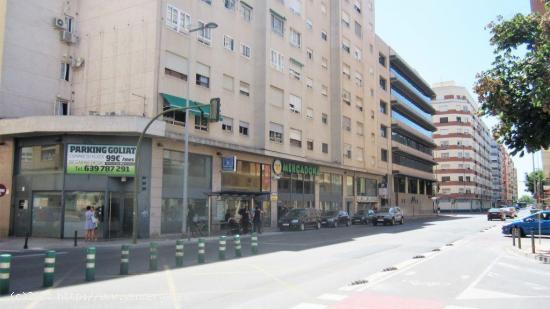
x=397, y=62
x=399, y=147
x=401, y=85
x=405, y=129
x=408, y=171
x=406, y=108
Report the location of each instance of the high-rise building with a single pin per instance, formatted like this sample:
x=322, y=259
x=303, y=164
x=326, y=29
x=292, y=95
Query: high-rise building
x=497, y=174
x=306, y=118
x=463, y=151
x=538, y=5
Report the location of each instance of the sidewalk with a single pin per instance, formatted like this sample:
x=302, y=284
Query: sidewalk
x=15, y=244
x=542, y=248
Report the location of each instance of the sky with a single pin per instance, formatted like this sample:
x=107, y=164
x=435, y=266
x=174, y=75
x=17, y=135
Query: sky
x=446, y=40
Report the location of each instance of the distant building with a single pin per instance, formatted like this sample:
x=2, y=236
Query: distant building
x=538, y=5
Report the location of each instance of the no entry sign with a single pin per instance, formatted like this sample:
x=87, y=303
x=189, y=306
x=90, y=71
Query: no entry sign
x=3, y=190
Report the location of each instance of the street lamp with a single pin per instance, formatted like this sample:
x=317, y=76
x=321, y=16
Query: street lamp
x=190, y=29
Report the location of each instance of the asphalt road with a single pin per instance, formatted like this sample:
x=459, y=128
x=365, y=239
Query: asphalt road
x=339, y=268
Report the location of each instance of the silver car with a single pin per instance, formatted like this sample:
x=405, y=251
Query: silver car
x=390, y=215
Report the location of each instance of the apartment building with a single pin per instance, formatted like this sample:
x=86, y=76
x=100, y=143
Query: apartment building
x=538, y=5
x=463, y=151
x=497, y=174
x=409, y=100
x=301, y=105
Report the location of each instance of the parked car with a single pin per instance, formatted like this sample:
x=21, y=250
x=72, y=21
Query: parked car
x=335, y=218
x=300, y=219
x=390, y=215
x=510, y=212
x=363, y=217
x=496, y=213
x=530, y=223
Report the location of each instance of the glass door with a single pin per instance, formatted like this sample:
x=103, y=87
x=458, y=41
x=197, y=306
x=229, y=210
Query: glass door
x=119, y=223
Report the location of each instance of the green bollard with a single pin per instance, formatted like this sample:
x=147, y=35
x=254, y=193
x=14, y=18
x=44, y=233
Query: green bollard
x=5, y=263
x=124, y=259
x=90, y=264
x=254, y=242
x=238, y=251
x=201, y=249
x=179, y=253
x=49, y=269
x=153, y=263
x=221, y=252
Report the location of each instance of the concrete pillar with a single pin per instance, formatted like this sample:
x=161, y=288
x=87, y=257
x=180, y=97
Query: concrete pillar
x=156, y=188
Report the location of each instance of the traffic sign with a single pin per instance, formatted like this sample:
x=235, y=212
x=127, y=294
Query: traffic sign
x=3, y=190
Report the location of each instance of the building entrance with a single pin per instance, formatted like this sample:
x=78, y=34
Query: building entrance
x=119, y=216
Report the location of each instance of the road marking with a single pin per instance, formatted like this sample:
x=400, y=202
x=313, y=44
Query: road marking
x=286, y=284
x=171, y=286
x=34, y=255
x=308, y=306
x=333, y=297
x=480, y=277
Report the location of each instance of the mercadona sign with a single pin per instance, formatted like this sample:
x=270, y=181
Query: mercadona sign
x=109, y=160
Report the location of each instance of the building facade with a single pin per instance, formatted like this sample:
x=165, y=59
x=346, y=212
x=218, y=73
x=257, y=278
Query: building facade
x=463, y=151
x=307, y=121
x=497, y=174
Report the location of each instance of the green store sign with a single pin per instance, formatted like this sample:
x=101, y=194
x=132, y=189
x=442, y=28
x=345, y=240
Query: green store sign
x=280, y=167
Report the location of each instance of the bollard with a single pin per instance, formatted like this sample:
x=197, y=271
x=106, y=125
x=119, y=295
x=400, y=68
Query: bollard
x=201, y=250
x=254, y=242
x=221, y=251
x=26, y=246
x=238, y=251
x=75, y=237
x=533, y=242
x=124, y=259
x=519, y=238
x=153, y=263
x=5, y=261
x=514, y=237
x=49, y=269
x=179, y=253
x=90, y=264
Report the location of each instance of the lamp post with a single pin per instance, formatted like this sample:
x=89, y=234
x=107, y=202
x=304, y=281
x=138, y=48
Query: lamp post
x=190, y=29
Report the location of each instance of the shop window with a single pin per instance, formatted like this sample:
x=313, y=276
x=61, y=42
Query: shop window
x=349, y=185
x=75, y=209
x=171, y=216
x=41, y=159
x=46, y=214
x=413, y=185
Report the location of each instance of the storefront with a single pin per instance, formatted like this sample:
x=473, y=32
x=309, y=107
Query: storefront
x=330, y=191
x=295, y=185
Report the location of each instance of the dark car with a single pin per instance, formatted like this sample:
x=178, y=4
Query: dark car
x=335, y=218
x=496, y=213
x=363, y=217
x=300, y=219
x=390, y=215
x=530, y=224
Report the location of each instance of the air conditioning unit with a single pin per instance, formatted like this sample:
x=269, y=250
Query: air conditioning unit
x=59, y=23
x=77, y=62
x=69, y=37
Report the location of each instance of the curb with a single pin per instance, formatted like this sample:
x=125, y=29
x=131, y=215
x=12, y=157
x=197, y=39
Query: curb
x=544, y=258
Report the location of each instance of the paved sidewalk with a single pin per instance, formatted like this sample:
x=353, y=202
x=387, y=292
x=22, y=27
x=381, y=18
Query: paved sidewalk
x=542, y=248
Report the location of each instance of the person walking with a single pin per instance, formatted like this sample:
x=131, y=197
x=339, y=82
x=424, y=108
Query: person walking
x=245, y=221
x=257, y=220
x=89, y=223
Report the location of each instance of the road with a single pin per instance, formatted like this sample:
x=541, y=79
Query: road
x=472, y=266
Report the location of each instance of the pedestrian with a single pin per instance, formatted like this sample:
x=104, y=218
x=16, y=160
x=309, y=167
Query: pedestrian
x=190, y=221
x=95, y=221
x=257, y=220
x=438, y=211
x=245, y=220
x=88, y=222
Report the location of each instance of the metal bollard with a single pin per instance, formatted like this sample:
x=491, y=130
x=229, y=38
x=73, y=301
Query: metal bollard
x=153, y=262
x=519, y=238
x=49, y=269
x=179, y=253
x=75, y=237
x=222, y=246
x=5, y=263
x=533, y=242
x=90, y=264
x=124, y=259
x=201, y=251
x=238, y=248
x=514, y=237
x=26, y=246
x=254, y=242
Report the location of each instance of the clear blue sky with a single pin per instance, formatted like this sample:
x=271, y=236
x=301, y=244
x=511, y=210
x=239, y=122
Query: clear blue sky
x=446, y=40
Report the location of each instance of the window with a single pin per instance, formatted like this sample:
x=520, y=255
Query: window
x=357, y=53
x=345, y=19
x=347, y=151
x=276, y=96
x=184, y=22
x=346, y=46
x=358, y=79
x=295, y=69
x=360, y=128
x=324, y=63
x=324, y=35
x=309, y=53
x=309, y=24
x=383, y=107
x=383, y=131
x=245, y=51
x=295, y=138
x=382, y=59
x=201, y=122
x=209, y=2
x=357, y=6
x=324, y=147
x=346, y=71
x=346, y=97
x=295, y=104
x=244, y=89
x=175, y=74
x=445, y=178
x=277, y=60
x=277, y=24
x=309, y=83
x=228, y=83
x=384, y=155
x=358, y=29
x=175, y=66
x=227, y=124
x=172, y=14
x=383, y=83
x=62, y=107
x=445, y=155
x=69, y=23
x=309, y=113
x=324, y=118
x=275, y=132
x=458, y=119
x=228, y=43
x=243, y=128
x=359, y=103
x=444, y=120
x=203, y=75
x=295, y=38
x=295, y=6
x=204, y=35
x=346, y=123
x=229, y=4
x=309, y=144
x=324, y=90
x=65, y=72
x=246, y=12
x=360, y=153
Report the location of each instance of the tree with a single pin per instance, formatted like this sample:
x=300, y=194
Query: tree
x=516, y=89
x=527, y=199
x=530, y=179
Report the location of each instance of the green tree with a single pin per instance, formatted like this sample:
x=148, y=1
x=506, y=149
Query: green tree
x=516, y=89
x=528, y=199
x=530, y=179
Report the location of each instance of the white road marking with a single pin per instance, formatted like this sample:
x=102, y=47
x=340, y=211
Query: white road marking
x=348, y=288
x=333, y=297
x=476, y=293
x=458, y=307
x=480, y=277
x=308, y=306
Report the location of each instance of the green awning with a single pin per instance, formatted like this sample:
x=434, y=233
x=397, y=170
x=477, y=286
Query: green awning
x=277, y=14
x=174, y=101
